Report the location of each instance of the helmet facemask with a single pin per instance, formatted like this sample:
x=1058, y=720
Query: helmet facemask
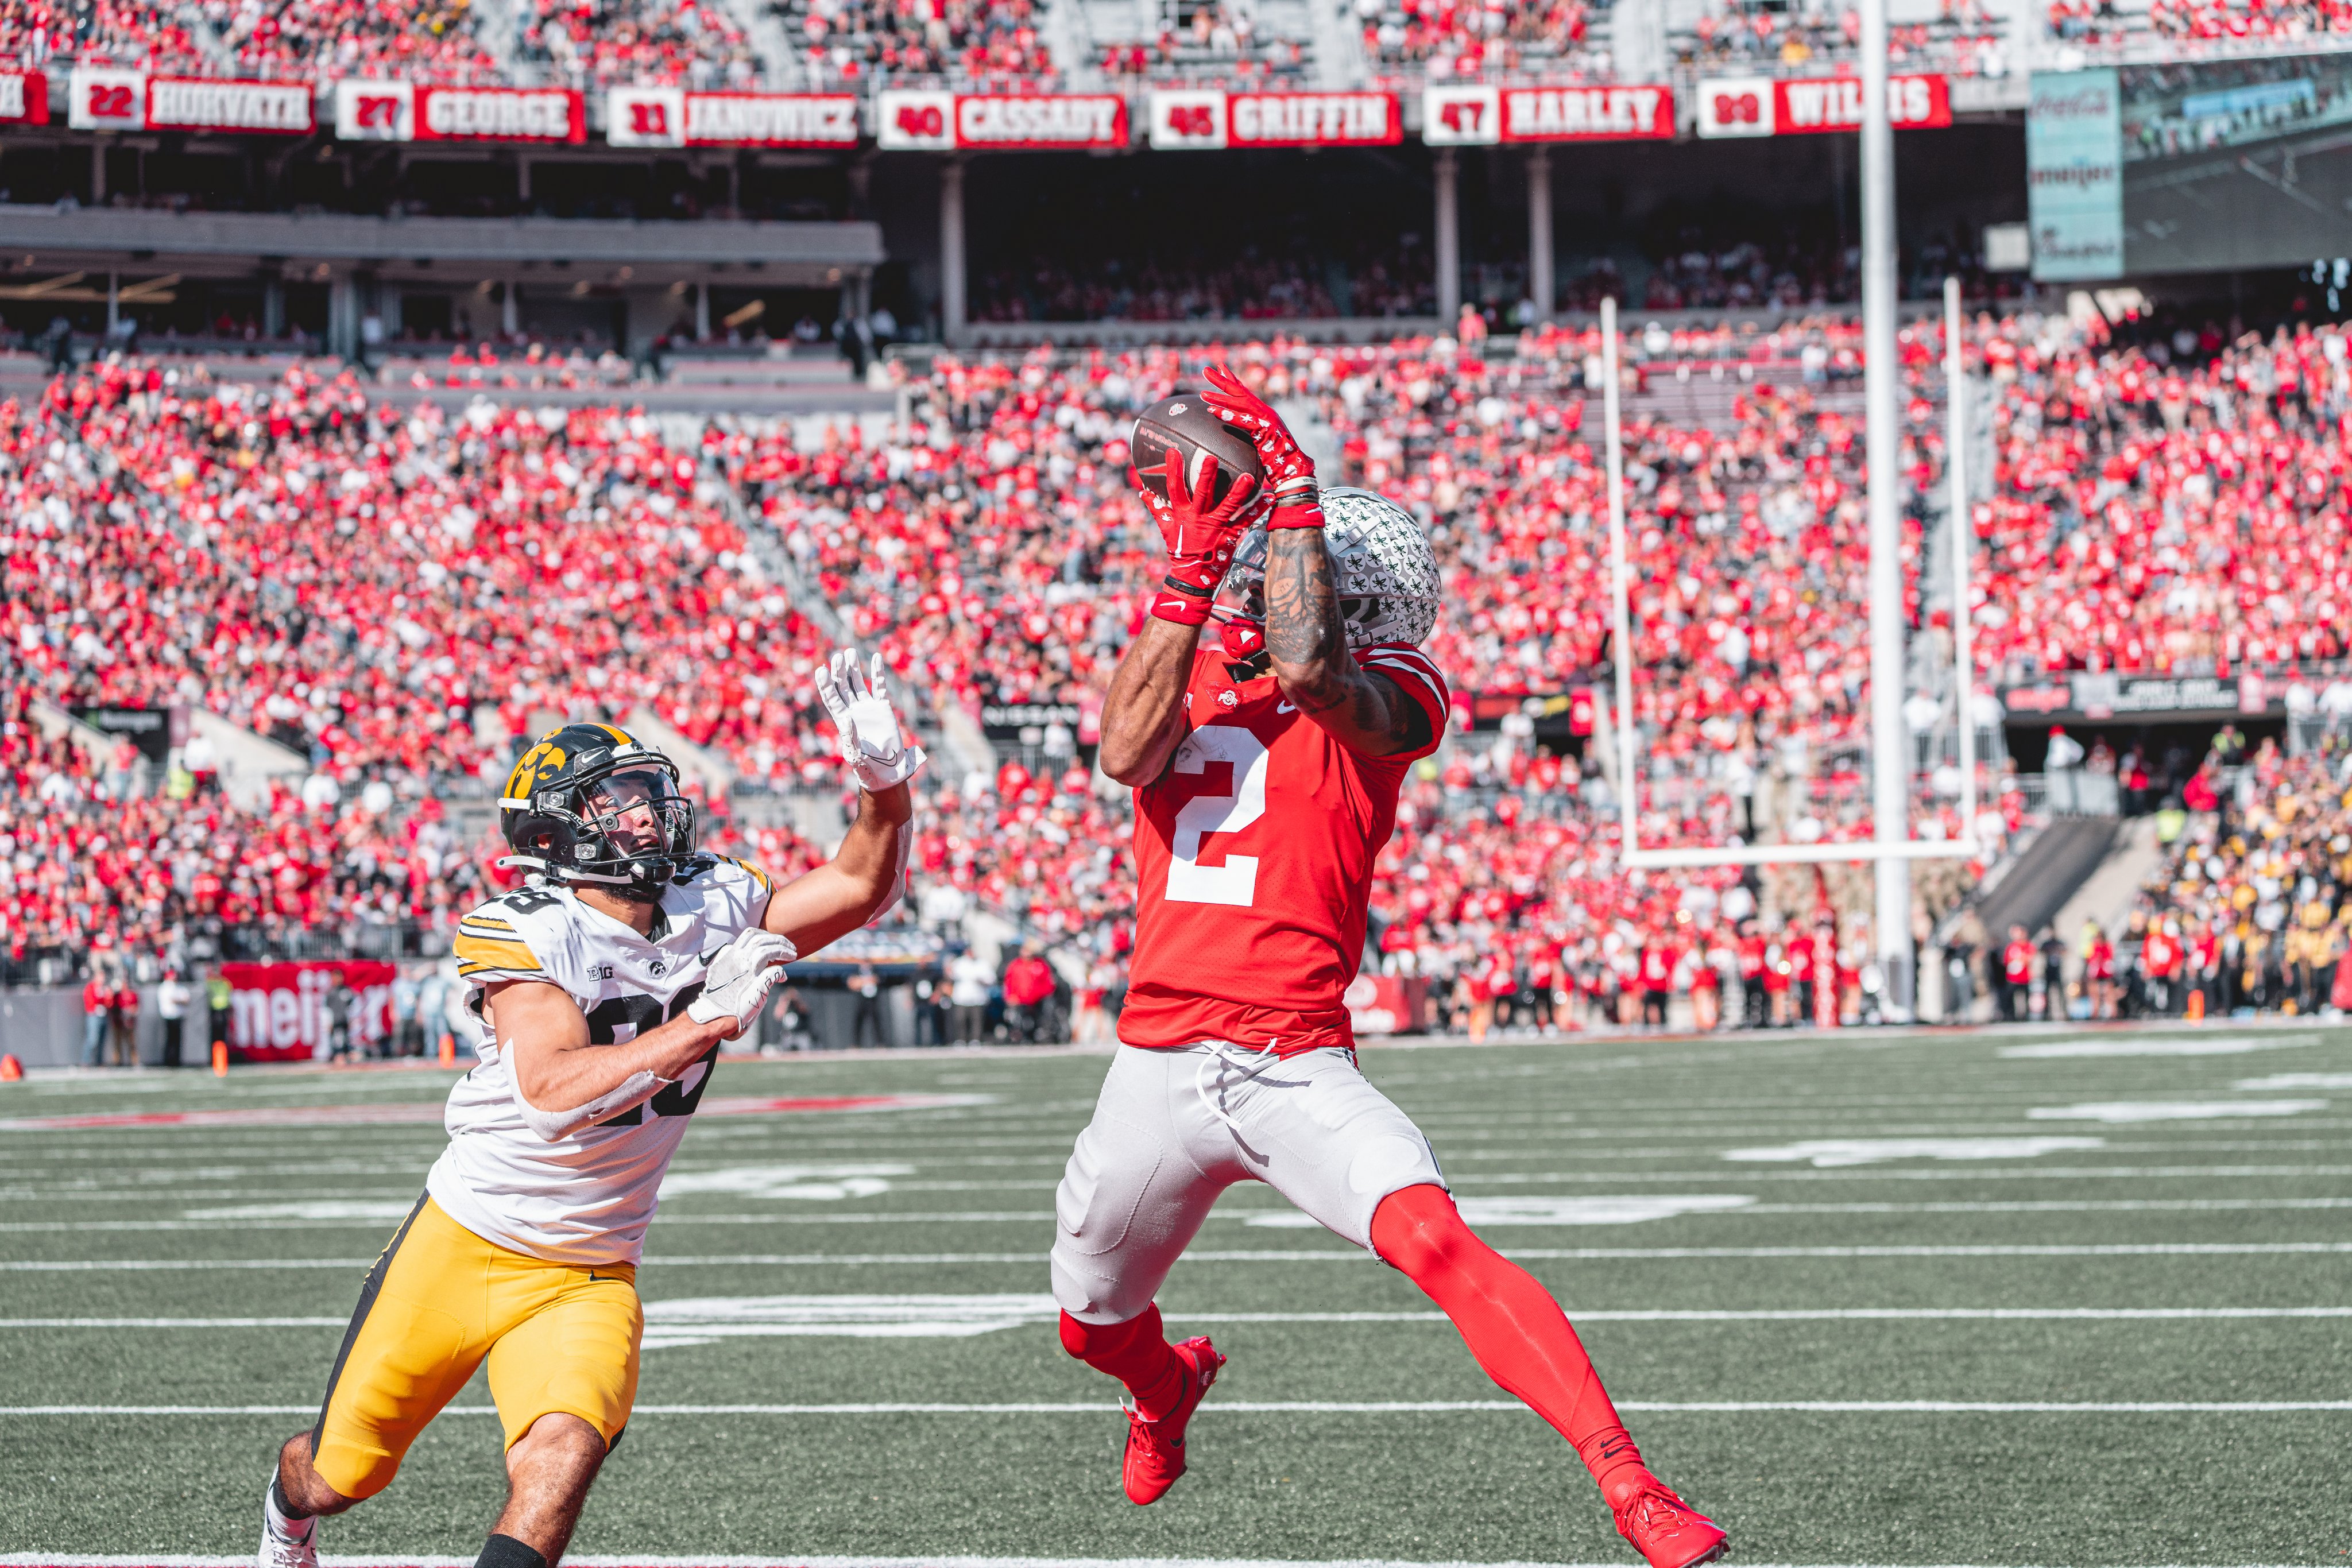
x=625, y=828
x=643, y=827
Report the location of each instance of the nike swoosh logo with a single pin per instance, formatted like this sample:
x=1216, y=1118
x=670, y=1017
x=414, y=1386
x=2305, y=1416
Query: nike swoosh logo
x=1285, y=707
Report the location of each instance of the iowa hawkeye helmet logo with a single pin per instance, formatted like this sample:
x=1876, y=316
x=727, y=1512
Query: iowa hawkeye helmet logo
x=542, y=763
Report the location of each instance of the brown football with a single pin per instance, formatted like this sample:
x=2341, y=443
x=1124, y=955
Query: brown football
x=1185, y=424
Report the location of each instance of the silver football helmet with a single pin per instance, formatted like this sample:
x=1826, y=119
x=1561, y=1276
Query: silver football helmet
x=1384, y=570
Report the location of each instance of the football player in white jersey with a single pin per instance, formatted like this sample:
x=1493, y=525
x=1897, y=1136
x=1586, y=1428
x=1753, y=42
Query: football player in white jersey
x=601, y=993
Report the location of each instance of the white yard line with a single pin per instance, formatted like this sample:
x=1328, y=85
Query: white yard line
x=1335, y=1407
x=1272, y=1255
x=1581, y=1314
x=672, y=1220
x=427, y=1559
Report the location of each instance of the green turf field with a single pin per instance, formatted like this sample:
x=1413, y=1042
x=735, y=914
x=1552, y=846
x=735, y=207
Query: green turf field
x=1992, y=1298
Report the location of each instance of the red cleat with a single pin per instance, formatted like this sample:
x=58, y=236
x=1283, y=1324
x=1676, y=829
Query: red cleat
x=1667, y=1532
x=1155, y=1450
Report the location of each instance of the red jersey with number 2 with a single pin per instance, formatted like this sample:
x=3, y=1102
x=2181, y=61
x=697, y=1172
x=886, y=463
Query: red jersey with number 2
x=1254, y=864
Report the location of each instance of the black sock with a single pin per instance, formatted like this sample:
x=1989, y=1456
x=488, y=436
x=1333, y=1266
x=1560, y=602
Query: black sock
x=278, y=1495
x=506, y=1551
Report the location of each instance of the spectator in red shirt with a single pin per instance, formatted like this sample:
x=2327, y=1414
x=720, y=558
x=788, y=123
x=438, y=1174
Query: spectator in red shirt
x=123, y=1011
x=2016, y=973
x=97, y=1001
x=1751, y=952
x=1028, y=984
x=2160, y=957
x=2099, y=973
x=1657, y=970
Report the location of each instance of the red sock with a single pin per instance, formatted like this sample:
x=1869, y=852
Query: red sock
x=1136, y=1352
x=1512, y=1325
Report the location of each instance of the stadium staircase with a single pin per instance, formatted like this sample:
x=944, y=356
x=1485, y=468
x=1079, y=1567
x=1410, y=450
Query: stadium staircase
x=1065, y=29
x=2040, y=879
x=2107, y=895
x=498, y=26
x=940, y=724
x=780, y=62
x=1338, y=61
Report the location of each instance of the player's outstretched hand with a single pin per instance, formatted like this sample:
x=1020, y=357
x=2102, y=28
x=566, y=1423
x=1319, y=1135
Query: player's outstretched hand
x=859, y=701
x=740, y=976
x=1201, y=537
x=1289, y=472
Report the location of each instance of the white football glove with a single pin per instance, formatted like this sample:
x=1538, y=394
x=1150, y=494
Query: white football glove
x=740, y=976
x=860, y=702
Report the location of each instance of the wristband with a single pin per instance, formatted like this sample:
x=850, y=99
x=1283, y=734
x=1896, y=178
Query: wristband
x=1182, y=603
x=1307, y=513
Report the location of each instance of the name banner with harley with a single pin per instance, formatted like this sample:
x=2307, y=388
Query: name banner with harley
x=1477, y=116
x=286, y=1012
x=1763, y=106
x=928, y=120
x=24, y=98
x=673, y=117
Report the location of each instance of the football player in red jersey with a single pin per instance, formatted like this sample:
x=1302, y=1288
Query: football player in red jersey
x=1267, y=769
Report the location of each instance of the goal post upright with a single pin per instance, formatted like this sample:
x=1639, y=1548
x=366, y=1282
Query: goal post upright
x=1890, y=740
x=1620, y=588
x=1961, y=525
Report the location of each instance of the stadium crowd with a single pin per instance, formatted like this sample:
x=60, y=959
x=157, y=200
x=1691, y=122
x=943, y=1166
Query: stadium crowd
x=422, y=40
x=979, y=43
x=1965, y=40
x=400, y=592
x=1306, y=281
x=161, y=36
x=1446, y=39
x=2173, y=506
x=642, y=43
x=386, y=588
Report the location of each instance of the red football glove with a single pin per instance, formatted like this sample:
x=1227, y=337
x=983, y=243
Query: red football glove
x=1289, y=470
x=1200, y=542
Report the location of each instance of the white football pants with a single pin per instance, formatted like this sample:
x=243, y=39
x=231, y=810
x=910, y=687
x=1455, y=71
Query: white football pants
x=1172, y=1129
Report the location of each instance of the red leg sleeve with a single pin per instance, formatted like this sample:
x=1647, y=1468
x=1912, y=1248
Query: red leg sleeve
x=1135, y=1352
x=1512, y=1325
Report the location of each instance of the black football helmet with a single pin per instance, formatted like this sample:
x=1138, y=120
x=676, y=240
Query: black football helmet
x=589, y=804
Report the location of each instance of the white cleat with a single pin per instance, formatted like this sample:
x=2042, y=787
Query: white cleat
x=280, y=1551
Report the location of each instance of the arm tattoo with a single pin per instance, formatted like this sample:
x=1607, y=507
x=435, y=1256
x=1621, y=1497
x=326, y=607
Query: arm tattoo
x=1303, y=627
x=1302, y=606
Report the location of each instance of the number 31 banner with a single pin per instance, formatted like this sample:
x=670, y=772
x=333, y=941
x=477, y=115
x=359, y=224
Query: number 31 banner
x=672, y=117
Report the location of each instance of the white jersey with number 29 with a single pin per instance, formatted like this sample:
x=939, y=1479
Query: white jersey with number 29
x=585, y=1199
